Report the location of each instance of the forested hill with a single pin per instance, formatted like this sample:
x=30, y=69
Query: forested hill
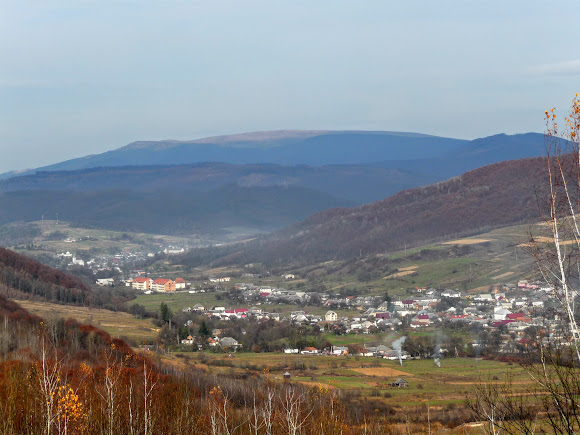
x=495, y=195
x=27, y=278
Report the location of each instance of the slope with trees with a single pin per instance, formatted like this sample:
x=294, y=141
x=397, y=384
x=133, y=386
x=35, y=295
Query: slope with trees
x=496, y=195
x=24, y=277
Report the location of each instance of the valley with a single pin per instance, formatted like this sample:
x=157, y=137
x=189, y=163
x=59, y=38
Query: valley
x=289, y=218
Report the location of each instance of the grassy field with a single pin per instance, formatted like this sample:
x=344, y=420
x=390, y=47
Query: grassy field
x=118, y=324
x=450, y=384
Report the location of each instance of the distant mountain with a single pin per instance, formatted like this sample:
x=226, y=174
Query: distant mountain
x=314, y=148
x=413, y=160
x=495, y=195
x=179, y=197
x=281, y=147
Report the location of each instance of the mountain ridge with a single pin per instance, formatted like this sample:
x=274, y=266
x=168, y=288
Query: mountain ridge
x=495, y=195
x=313, y=147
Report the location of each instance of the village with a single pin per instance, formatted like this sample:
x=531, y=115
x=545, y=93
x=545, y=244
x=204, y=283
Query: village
x=513, y=313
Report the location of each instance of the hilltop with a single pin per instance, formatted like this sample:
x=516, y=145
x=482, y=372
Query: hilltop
x=294, y=147
x=312, y=148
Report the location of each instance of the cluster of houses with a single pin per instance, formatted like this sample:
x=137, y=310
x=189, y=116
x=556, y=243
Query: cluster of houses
x=512, y=307
x=272, y=295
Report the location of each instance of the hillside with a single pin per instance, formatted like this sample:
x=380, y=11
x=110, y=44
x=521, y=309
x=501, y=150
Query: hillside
x=356, y=183
x=493, y=196
x=58, y=376
x=167, y=211
x=23, y=277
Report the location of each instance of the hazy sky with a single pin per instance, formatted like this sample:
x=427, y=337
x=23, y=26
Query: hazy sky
x=82, y=77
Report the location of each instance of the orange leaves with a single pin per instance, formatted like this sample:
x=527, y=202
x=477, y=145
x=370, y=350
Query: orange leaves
x=572, y=122
x=70, y=409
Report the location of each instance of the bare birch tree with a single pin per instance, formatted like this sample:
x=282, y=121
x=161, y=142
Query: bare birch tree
x=149, y=383
x=293, y=416
x=558, y=257
x=49, y=379
x=557, y=361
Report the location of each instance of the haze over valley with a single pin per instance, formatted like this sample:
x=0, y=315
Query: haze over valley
x=289, y=218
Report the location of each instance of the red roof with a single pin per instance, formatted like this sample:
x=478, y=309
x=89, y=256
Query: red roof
x=179, y=280
x=162, y=281
x=515, y=316
x=141, y=279
x=502, y=322
x=423, y=316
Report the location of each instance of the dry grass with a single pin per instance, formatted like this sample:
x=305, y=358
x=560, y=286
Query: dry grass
x=403, y=272
x=467, y=241
x=542, y=239
x=118, y=324
x=381, y=371
x=398, y=274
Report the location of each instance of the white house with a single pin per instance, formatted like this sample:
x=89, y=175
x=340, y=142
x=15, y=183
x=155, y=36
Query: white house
x=331, y=316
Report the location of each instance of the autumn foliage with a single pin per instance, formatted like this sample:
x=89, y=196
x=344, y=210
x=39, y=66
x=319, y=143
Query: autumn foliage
x=28, y=278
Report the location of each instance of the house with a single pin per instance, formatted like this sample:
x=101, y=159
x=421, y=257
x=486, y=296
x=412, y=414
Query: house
x=179, y=283
x=400, y=383
x=142, y=283
x=287, y=376
x=309, y=351
x=163, y=285
x=188, y=340
x=229, y=342
x=331, y=316
x=106, y=282
x=484, y=298
x=339, y=350
x=450, y=294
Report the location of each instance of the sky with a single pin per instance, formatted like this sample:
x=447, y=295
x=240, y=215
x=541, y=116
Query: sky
x=82, y=77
